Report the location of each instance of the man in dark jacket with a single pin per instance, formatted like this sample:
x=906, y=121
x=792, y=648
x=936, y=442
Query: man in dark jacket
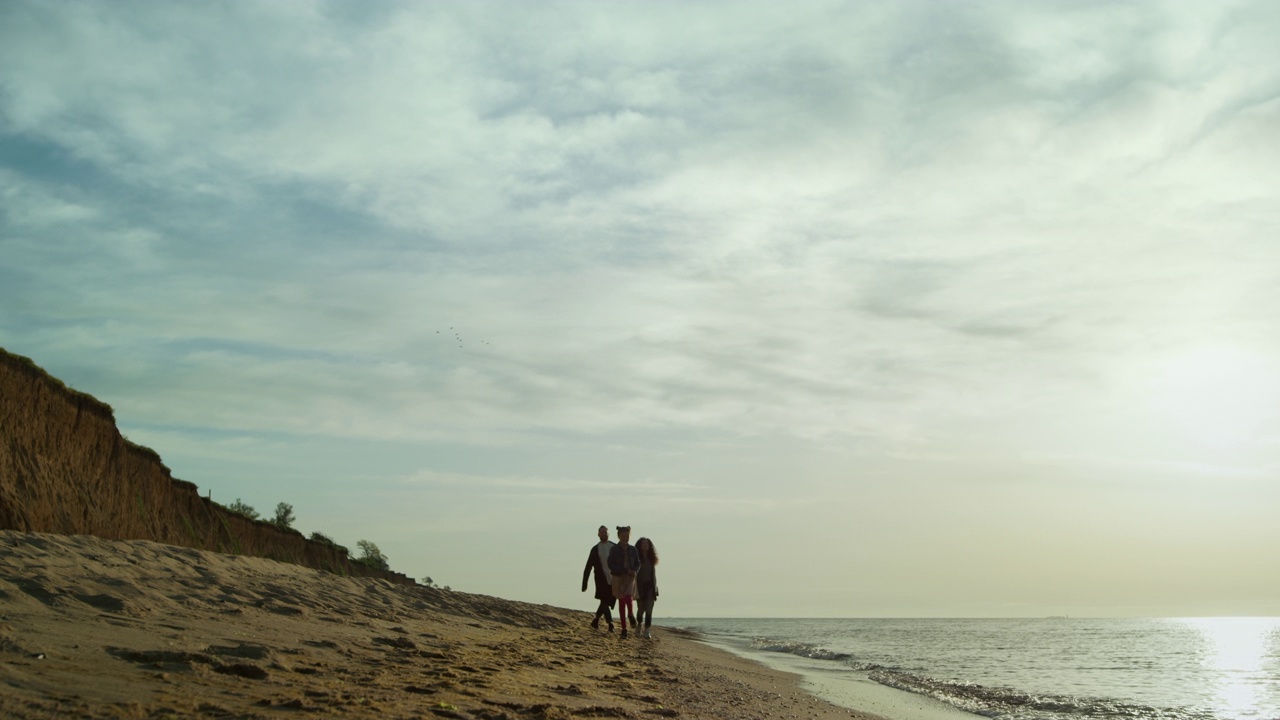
x=598, y=563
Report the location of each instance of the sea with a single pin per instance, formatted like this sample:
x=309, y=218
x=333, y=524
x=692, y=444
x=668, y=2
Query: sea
x=1057, y=668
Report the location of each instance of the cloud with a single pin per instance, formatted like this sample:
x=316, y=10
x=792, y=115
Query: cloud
x=564, y=247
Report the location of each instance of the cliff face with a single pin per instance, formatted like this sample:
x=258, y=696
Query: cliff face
x=66, y=469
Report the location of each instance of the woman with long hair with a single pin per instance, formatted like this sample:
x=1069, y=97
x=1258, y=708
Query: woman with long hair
x=646, y=584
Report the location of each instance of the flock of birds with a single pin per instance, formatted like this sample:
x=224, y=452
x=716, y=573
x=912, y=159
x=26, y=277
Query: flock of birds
x=458, y=336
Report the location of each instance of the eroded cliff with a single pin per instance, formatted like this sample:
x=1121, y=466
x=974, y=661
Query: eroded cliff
x=65, y=468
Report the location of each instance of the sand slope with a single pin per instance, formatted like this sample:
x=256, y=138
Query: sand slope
x=101, y=628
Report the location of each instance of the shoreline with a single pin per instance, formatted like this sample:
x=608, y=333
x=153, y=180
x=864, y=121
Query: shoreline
x=848, y=688
x=98, y=628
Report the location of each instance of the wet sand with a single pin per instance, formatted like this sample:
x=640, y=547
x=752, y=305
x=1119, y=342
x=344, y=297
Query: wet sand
x=854, y=689
x=98, y=628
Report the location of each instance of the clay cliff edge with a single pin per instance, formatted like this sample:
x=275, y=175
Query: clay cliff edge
x=66, y=469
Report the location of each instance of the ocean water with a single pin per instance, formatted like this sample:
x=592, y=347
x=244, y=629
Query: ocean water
x=1035, y=669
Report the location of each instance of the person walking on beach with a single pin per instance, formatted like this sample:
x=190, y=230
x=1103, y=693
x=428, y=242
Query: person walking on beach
x=623, y=563
x=646, y=584
x=598, y=564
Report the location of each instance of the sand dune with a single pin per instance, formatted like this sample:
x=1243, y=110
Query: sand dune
x=100, y=628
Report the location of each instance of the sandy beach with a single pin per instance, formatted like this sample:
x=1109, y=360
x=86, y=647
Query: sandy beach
x=99, y=628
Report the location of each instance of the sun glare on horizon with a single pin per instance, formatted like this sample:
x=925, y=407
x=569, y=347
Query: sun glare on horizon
x=1240, y=652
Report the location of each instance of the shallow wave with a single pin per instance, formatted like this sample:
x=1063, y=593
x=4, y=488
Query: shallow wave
x=814, y=652
x=801, y=649
x=1009, y=704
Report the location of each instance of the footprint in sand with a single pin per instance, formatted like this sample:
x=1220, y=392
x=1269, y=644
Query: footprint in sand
x=400, y=643
x=178, y=661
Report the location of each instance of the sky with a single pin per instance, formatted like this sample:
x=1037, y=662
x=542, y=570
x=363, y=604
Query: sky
x=855, y=309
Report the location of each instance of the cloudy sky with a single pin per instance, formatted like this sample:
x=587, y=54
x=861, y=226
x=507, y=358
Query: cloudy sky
x=856, y=309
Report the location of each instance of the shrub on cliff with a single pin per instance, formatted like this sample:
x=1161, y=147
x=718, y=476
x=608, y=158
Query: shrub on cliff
x=240, y=508
x=284, y=515
x=326, y=540
x=370, y=555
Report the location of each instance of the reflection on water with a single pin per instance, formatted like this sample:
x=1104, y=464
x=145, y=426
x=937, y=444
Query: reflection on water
x=1043, y=669
x=1244, y=655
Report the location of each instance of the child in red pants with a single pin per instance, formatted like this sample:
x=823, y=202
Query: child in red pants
x=624, y=561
